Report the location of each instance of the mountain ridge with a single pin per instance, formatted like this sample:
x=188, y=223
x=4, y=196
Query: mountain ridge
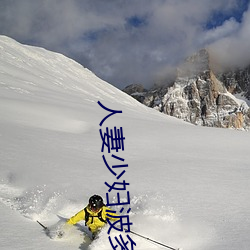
x=200, y=95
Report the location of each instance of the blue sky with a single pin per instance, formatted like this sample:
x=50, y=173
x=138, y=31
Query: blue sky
x=218, y=17
x=131, y=41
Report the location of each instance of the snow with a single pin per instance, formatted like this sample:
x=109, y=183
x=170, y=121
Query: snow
x=189, y=185
x=242, y=99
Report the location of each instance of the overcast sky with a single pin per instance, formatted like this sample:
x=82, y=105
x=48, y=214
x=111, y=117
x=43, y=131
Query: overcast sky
x=131, y=41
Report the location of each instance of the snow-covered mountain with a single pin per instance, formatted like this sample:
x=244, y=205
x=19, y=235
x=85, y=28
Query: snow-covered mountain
x=189, y=185
x=201, y=96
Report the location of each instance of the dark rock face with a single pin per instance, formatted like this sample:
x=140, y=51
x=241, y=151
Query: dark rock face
x=201, y=97
x=237, y=81
x=137, y=91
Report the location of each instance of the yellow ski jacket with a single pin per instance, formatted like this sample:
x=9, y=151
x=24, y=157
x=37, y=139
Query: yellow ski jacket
x=93, y=223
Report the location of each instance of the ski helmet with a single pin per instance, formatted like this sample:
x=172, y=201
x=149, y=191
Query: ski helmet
x=95, y=202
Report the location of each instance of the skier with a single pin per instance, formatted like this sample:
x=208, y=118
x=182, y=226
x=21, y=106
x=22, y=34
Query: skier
x=94, y=214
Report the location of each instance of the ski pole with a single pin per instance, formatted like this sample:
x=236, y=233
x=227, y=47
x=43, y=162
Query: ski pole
x=159, y=243
x=45, y=228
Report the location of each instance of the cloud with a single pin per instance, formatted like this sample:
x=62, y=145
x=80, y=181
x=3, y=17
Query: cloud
x=233, y=49
x=124, y=42
x=228, y=28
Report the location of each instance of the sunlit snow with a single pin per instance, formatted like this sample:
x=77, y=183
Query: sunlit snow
x=189, y=185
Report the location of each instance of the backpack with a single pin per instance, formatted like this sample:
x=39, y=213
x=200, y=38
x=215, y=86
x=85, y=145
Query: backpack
x=87, y=215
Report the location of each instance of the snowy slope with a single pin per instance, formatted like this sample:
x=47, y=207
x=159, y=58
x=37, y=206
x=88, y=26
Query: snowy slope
x=189, y=185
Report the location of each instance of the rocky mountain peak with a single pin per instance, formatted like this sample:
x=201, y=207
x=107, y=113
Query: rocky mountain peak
x=200, y=96
x=196, y=64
